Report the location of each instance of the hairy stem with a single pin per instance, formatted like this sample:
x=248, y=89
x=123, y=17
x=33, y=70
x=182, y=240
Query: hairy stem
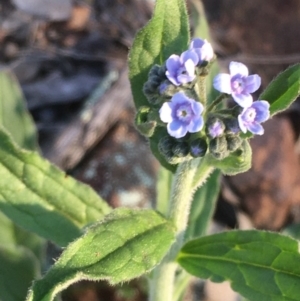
x=218, y=100
x=163, y=278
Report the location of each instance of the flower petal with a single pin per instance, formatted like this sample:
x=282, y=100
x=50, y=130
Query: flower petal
x=242, y=124
x=189, y=55
x=179, y=98
x=197, y=108
x=190, y=67
x=238, y=68
x=244, y=100
x=195, y=125
x=173, y=63
x=176, y=129
x=252, y=82
x=262, y=110
x=207, y=52
x=256, y=128
x=196, y=43
x=165, y=112
x=222, y=83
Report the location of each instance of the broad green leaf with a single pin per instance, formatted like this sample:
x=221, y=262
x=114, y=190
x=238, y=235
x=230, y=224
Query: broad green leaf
x=260, y=265
x=203, y=206
x=283, y=90
x=125, y=245
x=166, y=33
x=39, y=197
x=13, y=113
x=18, y=267
x=11, y=234
x=237, y=162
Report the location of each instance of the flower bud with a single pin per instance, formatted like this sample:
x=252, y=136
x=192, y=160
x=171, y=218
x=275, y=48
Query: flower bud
x=142, y=122
x=165, y=145
x=198, y=148
x=215, y=127
x=232, y=126
x=218, y=147
x=233, y=142
x=180, y=149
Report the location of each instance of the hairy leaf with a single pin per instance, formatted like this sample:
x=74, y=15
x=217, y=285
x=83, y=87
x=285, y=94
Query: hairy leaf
x=283, y=90
x=39, y=197
x=18, y=267
x=125, y=245
x=260, y=265
x=13, y=113
x=166, y=33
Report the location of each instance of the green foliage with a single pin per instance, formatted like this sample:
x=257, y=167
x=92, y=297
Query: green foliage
x=18, y=267
x=166, y=33
x=283, y=90
x=13, y=113
x=125, y=245
x=39, y=197
x=260, y=265
x=203, y=206
x=237, y=162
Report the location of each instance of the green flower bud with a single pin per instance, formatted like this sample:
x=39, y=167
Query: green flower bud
x=180, y=149
x=218, y=147
x=233, y=142
x=145, y=125
x=232, y=126
x=165, y=145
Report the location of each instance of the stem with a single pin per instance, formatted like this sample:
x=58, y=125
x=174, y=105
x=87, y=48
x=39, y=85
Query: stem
x=219, y=99
x=163, y=278
x=201, y=89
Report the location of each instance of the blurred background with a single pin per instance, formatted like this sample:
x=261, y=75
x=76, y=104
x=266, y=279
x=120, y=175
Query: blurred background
x=69, y=58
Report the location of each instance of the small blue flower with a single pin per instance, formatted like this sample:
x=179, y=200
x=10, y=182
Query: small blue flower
x=182, y=114
x=238, y=83
x=251, y=117
x=203, y=49
x=216, y=129
x=181, y=69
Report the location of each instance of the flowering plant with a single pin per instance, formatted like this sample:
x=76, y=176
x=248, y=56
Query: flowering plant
x=194, y=138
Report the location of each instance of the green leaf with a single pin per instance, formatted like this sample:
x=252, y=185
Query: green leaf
x=13, y=113
x=18, y=267
x=260, y=265
x=283, y=90
x=292, y=230
x=237, y=162
x=167, y=33
x=203, y=206
x=125, y=245
x=39, y=197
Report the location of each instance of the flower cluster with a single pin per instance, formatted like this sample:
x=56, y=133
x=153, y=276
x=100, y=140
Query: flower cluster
x=185, y=126
x=240, y=85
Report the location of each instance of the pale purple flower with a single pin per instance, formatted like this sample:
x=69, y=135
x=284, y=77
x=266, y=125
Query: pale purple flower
x=183, y=114
x=238, y=83
x=203, y=49
x=216, y=129
x=181, y=69
x=251, y=117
